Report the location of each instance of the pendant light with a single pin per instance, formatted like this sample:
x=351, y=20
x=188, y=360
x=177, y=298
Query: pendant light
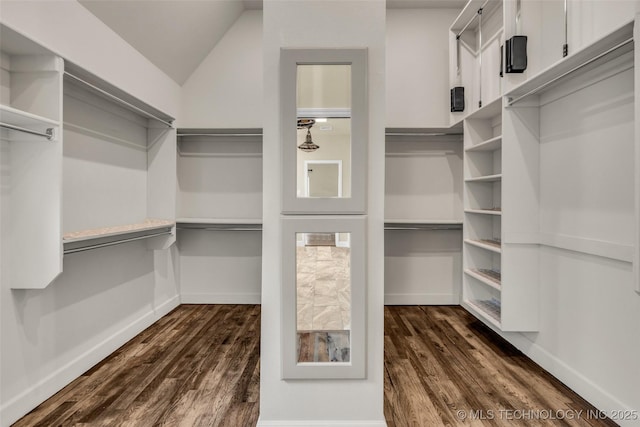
x=308, y=145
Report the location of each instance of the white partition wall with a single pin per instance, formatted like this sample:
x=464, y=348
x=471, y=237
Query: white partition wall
x=321, y=24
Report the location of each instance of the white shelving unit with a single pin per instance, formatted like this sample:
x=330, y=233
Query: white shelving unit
x=220, y=215
x=423, y=210
x=31, y=161
x=119, y=167
x=475, y=41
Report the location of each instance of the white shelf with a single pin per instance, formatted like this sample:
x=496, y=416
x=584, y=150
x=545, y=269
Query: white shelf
x=484, y=278
x=484, y=244
x=605, y=49
x=18, y=117
x=220, y=224
x=486, y=178
x=29, y=122
x=480, y=310
x=423, y=221
x=470, y=11
x=483, y=211
x=492, y=144
x=107, y=236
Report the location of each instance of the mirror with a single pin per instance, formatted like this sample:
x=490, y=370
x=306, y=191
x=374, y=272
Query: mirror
x=323, y=105
x=323, y=297
x=324, y=130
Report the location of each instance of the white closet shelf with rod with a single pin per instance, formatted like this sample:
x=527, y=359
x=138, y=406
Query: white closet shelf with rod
x=609, y=47
x=79, y=241
x=114, y=94
x=220, y=224
x=13, y=119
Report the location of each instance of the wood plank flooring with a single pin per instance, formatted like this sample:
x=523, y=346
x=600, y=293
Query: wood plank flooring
x=199, y=366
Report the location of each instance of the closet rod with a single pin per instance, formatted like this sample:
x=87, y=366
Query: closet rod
x=472, y=19
x=574, y=69
x=209, y=228
x=426, y=228
x=219, y=134
x=119, y=100
x=117, y=242
x=422, y=134
x=47, y=134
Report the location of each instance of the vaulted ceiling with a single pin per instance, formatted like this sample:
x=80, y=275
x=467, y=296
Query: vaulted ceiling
x=177, y=35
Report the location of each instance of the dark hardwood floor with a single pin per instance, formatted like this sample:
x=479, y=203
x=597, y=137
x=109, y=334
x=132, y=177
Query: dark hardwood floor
x=199, y=366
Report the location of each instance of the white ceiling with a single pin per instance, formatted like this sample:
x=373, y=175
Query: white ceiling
x=177, y=35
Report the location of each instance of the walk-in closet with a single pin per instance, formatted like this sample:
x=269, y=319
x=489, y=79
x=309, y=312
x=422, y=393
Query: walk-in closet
x=329, y=213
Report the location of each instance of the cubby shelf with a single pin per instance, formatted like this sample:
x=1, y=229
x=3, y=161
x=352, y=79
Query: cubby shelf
x=83, y=240
x=491, y=144
x=490, y=245
x=488, y=277
x=486, y=178
x=488, y=310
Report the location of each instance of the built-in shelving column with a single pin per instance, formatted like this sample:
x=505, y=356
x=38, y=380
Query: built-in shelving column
x=423, y=216
x=220, y=215
x=31, y=161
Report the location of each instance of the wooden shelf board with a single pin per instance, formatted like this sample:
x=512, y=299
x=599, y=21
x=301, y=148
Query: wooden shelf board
x=483, y=211
x=493, y=247
x=486, y=178
x=492, y=144
x=562, y=69
x=487, y=280
x=97, y=233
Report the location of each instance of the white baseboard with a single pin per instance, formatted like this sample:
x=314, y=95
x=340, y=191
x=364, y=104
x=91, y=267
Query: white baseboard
x=23, y=403
x=421, y=299
x=219, y=298
x=327, y=423
x=573, y=379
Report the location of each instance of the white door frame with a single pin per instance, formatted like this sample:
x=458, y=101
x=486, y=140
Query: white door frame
x=322, y=162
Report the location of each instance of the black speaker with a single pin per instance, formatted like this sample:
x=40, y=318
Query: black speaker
x=516, y=54
x=457, y=99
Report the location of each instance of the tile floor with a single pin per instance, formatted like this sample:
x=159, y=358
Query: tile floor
x=323, y=288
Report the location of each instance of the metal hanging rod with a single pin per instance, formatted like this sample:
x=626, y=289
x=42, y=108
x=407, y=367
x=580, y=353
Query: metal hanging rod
x=46, y=134
x=116, y=242
x=119, y=100
x=574, y=69
x=213, y=228
x=422, y=134
x=565, y=46
x=219, y=134
x=478, y=13
x=434, y=227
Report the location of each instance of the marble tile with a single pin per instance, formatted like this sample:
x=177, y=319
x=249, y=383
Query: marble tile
x=327, y=318
x=324, y=253
x=305, y=317
x=346, y=319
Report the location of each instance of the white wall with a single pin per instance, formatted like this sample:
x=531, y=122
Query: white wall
x=68, y=29
x=103, y=297
x=321, y=24
x=225, y=91
x=418, y=67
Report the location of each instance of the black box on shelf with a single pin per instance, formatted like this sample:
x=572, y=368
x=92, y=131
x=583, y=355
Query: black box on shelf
x=516, y=54
x=457, y=99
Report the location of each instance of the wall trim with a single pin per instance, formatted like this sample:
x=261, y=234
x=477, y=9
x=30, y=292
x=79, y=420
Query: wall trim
x=26, y=401
x=576, y=381
x=421, y=299
x=221, y=298
x=318, y=423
